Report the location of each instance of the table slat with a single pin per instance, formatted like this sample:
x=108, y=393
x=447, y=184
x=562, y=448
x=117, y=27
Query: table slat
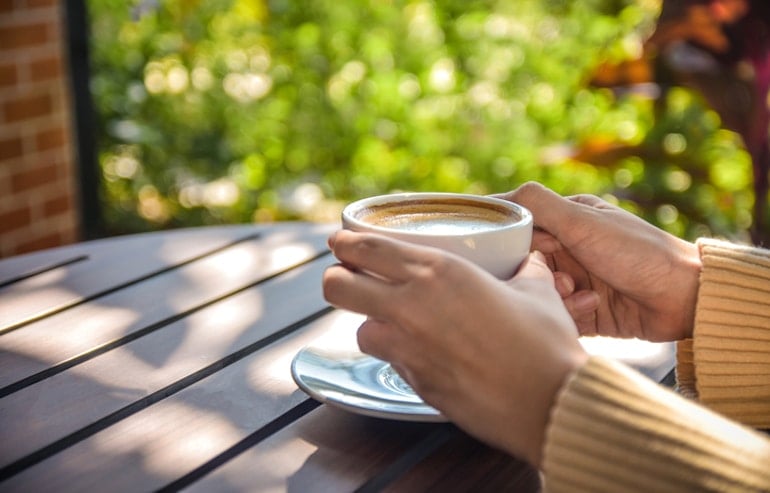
x=464, y=464
x=65, y=403
x=163, y=442
x=327, y=450
x=58, y=341
x=118, y=262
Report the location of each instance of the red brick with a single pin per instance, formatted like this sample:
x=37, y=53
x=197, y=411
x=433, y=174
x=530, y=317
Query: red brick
x=27, y=107
x=24, y=35
x=33, y=178
x=50, y=139
x=57, y=205
x=11, y=148
x=42, y=3
x=7, y=6
x=15, y=219
x=9, y=75
x=39, y=206
x=45, y=69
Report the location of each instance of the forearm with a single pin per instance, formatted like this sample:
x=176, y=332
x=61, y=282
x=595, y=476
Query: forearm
x=613, y=429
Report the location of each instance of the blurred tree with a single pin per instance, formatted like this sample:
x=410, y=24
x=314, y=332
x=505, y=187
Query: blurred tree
x=721, y=48
x=256, y=110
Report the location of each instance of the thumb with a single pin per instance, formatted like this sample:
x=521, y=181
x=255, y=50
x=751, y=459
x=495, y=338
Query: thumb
x=553, y=213
x=535, y=267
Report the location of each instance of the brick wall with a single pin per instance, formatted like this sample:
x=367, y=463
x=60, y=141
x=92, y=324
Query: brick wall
x=37, y=174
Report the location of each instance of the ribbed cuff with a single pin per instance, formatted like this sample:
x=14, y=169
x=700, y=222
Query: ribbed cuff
x=685, y=369
x=614, y=430
x=731, y=339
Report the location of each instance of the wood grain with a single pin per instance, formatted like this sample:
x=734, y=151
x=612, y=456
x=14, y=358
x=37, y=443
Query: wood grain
x=157, y=444
x=76, y=334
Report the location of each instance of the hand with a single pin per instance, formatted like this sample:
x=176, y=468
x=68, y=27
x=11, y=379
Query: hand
x=631, y=278
x=489, y=355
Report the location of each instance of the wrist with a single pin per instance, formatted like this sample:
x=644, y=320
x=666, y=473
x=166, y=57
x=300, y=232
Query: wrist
x=690, y=266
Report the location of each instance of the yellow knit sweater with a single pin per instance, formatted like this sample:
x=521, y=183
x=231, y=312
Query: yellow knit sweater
x=614, y=430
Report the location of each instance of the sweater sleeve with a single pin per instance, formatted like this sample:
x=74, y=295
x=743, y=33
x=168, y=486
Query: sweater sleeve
x=614, y=430
x=728, y=364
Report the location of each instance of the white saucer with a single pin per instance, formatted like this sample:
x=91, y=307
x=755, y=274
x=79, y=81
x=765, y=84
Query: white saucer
x=332, y=370
x=351, y=380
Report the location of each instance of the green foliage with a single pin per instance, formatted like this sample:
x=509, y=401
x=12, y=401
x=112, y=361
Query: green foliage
x=251, y=110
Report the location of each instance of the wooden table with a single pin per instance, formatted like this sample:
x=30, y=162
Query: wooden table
x=161, y=361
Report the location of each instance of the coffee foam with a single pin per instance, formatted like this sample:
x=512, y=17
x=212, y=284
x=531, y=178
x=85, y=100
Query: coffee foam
x=443, y=216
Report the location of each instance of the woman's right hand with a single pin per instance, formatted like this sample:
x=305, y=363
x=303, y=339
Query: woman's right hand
x=631, y=279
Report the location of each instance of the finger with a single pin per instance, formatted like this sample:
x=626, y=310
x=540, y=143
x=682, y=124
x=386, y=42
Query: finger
x=356, y=291
x=403, y=372
x=545, y=242
x=380, y=339
x=587, y=326
x=535, y=267
x=564, y=284
x=563, y=261
x=331, y=240
x=376, y=339
x=590, y=200
x=582, y=305
x=382, y=256
x=583, y=302
x=552, y=212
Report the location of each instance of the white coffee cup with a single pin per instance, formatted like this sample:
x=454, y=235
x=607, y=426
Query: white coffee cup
x=493, y=233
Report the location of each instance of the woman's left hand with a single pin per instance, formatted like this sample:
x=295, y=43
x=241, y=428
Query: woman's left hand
x=490, y=355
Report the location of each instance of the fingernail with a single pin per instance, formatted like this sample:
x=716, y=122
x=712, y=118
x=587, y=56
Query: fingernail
x=538, y=255
x=585, y=301
x=332, y=238
x=564, y=283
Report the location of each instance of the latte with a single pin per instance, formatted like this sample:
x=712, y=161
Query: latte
x=493, y=233
x=442, y=217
